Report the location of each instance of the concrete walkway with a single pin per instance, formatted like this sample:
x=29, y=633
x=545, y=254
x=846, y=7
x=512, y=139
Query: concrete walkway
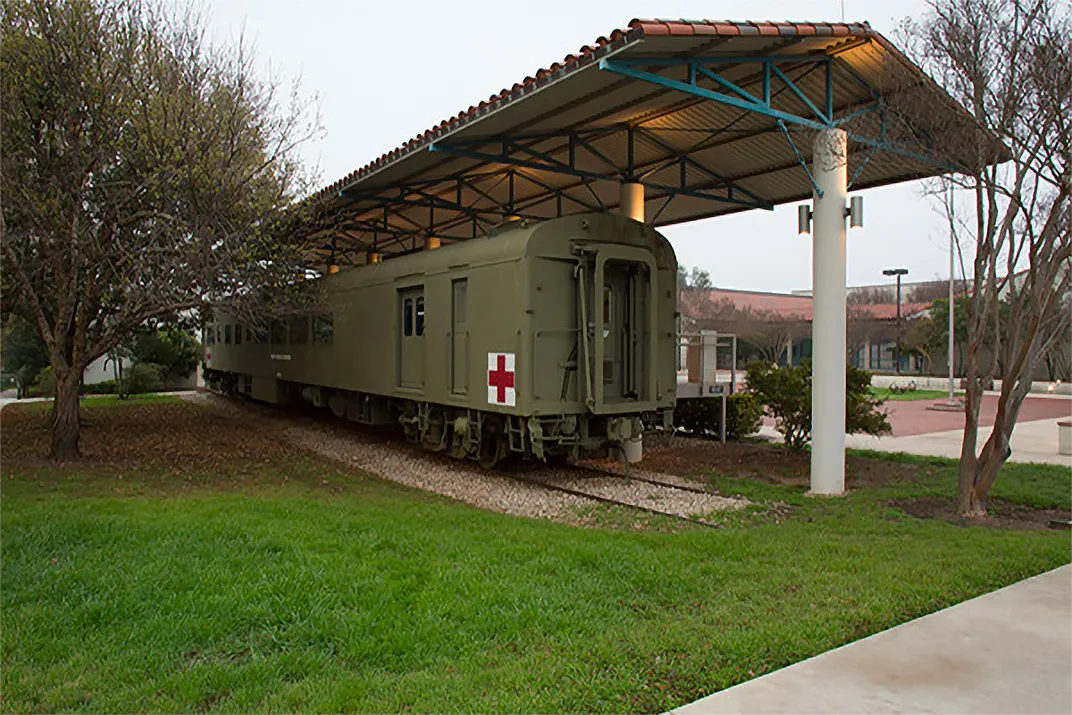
x=1034, y=442
x=1009, y=651
x=1031, y=442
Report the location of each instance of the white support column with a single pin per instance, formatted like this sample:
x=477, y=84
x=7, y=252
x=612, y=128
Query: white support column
x=828, y=324
x=631, y=204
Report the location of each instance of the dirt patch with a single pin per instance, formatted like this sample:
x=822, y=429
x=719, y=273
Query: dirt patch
x=1001, y=514
x=157, y=434
x=770, y=463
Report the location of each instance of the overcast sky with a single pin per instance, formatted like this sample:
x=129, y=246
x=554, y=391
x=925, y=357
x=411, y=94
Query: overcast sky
x=387, y=71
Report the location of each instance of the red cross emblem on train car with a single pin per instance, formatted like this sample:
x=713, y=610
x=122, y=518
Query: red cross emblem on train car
x=501, y=379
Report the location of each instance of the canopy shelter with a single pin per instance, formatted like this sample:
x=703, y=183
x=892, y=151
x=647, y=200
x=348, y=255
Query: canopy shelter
x=710, y=117
x=672, y=121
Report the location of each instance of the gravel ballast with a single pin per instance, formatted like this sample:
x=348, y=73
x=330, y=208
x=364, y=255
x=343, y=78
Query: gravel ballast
x=496, y=490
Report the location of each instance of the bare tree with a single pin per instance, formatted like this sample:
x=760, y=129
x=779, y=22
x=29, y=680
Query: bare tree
x=144, y=173
x=931, y=291
x=869, y=295
x=762, y=334
x=1008, y=62
x=694, y=295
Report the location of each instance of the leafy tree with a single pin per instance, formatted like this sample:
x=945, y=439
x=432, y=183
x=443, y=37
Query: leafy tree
x=786, y=394
x=170, y=347
x=25, y=353
x=143, y=174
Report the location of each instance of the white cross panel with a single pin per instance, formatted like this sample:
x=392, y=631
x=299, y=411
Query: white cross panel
x=501, y=379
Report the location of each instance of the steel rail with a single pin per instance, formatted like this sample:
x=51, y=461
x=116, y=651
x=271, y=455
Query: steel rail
x=608, y=500
x=646, y=480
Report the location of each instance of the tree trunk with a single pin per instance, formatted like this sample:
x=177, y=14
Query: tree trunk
x=66, y=427
x=971, y=504
x=968, y=503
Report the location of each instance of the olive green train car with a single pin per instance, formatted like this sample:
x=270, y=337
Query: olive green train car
x=545, y=339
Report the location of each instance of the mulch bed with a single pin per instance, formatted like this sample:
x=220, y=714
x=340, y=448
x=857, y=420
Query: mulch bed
x=1000, y=514
x=768, y=463
x=155, y=434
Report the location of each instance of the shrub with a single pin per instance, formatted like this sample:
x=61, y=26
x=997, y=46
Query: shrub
x=100, y=388
x=704, y=415
x=786, y=393
x=143, y=377
x=744, y=415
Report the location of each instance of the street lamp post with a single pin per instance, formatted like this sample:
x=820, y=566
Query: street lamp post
x=897, y=347
x=952, y=307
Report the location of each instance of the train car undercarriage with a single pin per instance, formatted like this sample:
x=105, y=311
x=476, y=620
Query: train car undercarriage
x=463, y=433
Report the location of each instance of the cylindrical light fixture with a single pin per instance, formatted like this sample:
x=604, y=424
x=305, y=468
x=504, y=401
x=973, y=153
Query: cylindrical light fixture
x=856, y=212
x=803, y=219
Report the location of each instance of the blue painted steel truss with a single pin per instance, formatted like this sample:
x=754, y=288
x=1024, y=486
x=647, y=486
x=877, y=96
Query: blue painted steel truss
x=820, y=115
x=521, y=153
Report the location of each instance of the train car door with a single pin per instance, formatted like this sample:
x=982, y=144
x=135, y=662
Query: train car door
x=624, y=308
x=411, y=337
x=459, y=337
x=613, y=327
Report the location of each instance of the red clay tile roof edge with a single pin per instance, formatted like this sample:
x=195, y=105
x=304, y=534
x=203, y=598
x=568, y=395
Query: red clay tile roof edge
x=588, y=54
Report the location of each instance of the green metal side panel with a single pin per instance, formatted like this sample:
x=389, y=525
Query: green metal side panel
x=521, y=295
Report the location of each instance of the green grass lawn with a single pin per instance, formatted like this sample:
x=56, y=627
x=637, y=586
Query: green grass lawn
x=883, y=393
x=269, y=579
x=103, y=401
x=107, y=400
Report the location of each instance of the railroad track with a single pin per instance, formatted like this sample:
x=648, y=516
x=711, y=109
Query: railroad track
x=522, y=472
x=628, y=478
x=617, y=502
x=632, y=477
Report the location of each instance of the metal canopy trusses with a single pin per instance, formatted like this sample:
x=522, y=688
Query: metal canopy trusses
x=522, y=152
x=712, y=118
x=916, y=145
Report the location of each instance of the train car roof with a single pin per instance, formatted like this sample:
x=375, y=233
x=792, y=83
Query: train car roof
x=509, y=241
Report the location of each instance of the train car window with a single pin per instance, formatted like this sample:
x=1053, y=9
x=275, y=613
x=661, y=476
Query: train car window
x=210, y=335
x=278, y=332
x=461, y=308
x=299, y=330
x=260, y=336
x=249, y=335
x=420, y=315
x=219, y=334
x=227, y=334
x=407, y=317
x=324, y=330
x=238, y=334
